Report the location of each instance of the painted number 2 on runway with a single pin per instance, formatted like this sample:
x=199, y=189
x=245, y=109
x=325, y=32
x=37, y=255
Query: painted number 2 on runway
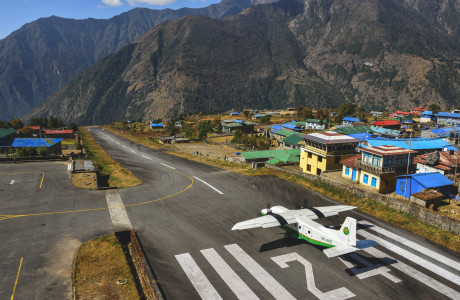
x=337, y=294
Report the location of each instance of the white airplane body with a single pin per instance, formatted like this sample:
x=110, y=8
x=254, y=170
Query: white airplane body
x=299, y=224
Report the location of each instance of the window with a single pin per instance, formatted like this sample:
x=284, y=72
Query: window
x=374, y=182
x=309, y=155
x=308, y=168
x=320, y=158
x=347, y=171
x=318, y=171
x=402, y=186
x=366, y=179
x=336, y=159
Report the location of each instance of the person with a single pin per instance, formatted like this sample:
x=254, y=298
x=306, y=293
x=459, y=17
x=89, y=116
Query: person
x=457, y=198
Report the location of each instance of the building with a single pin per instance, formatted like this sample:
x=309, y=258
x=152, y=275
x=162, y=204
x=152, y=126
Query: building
x=156, y=125
x=232, y=125
x=234, y=113
x=378, y=167
x=350, y=120
x=258, y=116
x=6, y=134
x=376, y=113
x=445, y=162
x=448, y=119
x=387, y=133
x=62, y=134
x=354, y=130
x=323, y=151
x=53, y=144
x=389, y=124
x=400, y=114
x=279, y=156
x=292, y=141
x=406, y=123
x=296, y=126
x=315, y=124
x=282, y=133
x=421, y=145
x=407, y=185
x=417, y=111
x=427, y=117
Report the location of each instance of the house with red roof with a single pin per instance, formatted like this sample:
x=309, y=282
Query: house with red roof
x=417, y=111
x=400, y=114
x=389, y=124
x=377, y=167
x=61, y=133
x=444, y=162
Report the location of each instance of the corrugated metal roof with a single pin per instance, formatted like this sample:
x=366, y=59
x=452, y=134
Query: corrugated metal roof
x=65, y=131
x=157, y=125
x=351, y=161
x=6, y=132
x=414, y=144
x=287, y=132
x=385, y=123
x=430, y=180
x=293, y=139
x=387, y=150
x=83, y=165
x=330, y=137
x=354, y=130
x=350, y=119
x=386, y=131
x=312, y=120
x=290, y=126
x=360, y=136
x=448, y=115
x=33, y=143
x=269, y=153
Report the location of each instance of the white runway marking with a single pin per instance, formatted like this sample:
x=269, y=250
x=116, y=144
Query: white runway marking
x=145, y=157
x=208, y=185
x=167, y=166
x=201, y=283
x=412, y=245
x=412, y=257
x=120, y=219
x=425, y=279
x=234, y=282
x=132, y=151
x=12, y=182
x=259, y=273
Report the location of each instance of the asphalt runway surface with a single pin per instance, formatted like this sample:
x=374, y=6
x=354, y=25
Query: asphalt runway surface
x=195, y=254
x=183, y=213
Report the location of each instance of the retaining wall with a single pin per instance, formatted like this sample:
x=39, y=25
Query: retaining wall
x=425, y=215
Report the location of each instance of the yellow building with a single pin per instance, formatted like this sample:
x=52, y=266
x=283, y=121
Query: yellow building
x=323, y=151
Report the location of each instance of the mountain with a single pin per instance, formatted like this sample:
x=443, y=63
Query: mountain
x=195, y=64
x=380, y=54
x=42, y=56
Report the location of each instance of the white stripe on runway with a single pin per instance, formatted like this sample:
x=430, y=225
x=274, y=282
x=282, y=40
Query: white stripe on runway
x=412, y=245
x=200, y=282
x=208, y=185
x=234, y=282
x=259, y=273
x=436, y=285
x=145, y=156
x=132, y=151
x=167, y=166
x=412, y=257
x=120, y=219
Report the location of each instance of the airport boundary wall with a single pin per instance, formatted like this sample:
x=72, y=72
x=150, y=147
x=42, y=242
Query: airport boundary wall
x=425, y=215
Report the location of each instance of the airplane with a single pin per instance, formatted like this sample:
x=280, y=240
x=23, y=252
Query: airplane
x=299, y=224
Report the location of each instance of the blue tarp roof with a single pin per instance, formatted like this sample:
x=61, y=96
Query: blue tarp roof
x=350, y=119
x=427, y=113
x=407, y=121
x=444, y=131
x=157, y=125
x=414, y=144
x=31, y=142
x=448, y=115
x=235, y=113
x=430, y=180
x=259, y=115
x=290, y=126
x=360, y=136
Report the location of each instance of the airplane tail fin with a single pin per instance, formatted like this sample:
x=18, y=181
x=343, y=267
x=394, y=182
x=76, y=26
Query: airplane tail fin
x=348, y=231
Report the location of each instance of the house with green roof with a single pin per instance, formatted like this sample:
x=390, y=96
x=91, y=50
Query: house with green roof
x=5, y=134
x=292, y=141
x=354, y=130
x=315, y=124
x=279, y=156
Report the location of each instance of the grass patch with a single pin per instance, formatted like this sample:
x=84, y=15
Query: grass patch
x=71, y=142
x=110, y=172
x=98, y=265
x=85, y=180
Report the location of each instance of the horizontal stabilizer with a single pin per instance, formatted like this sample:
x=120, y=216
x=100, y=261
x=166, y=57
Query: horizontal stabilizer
x=339, y=250
x=363, y=244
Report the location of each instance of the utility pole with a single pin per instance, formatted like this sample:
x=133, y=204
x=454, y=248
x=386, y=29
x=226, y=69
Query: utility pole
x=408, y=162
x=456, y=164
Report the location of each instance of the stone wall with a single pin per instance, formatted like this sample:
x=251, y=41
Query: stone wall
x=425, y=215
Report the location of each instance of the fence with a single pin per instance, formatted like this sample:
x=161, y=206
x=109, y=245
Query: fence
x=427, y=216
x=31, y=158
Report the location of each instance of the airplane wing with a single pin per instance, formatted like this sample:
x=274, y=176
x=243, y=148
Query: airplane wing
x=291, y=216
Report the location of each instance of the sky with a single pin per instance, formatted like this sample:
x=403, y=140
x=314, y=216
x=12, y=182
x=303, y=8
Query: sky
x=15, y=13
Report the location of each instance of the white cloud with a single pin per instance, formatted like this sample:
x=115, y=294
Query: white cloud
x=151, y=2
x=112, y=2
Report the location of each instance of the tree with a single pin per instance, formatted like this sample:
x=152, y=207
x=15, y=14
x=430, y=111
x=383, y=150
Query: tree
x=305, y=113
x=42, y=151
x=73, y=126
x=435, y=108
x=264, y=119
x=26, y=132
x=16, y=123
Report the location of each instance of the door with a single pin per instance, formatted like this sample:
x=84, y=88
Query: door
x=354, y=175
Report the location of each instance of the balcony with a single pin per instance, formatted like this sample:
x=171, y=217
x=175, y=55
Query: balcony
x=382, y=170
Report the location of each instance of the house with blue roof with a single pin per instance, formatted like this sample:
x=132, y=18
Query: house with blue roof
x=157, y=125
x=427, y=117
x=385, y=132
x=448, y=119
x=350, y=120
x=291, y=126
x=407, y=185
x=52, y=144
x=234, y=113
x=421, y=145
